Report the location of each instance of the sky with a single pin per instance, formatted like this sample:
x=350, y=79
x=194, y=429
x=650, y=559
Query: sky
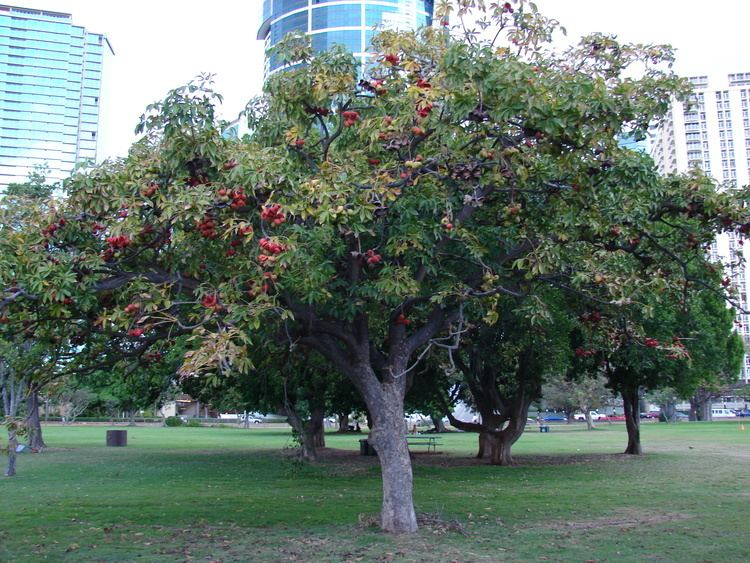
x=163, y=44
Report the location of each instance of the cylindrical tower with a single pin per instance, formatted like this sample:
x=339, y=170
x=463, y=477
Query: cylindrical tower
x=350, y=23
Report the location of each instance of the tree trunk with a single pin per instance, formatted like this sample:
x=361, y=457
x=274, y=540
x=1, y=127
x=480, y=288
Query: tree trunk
x=131, y=418
x=630, y=401
x=589, y=420
x=388, y=439
x=500, y=445
x=12, y=445
x=316, y=428
x=437, y=422
x=305, y=437
x=502, y=440
x=12, y=391
x=484, y=445
x=343, y=423
x=700, y=404
x=33, y=424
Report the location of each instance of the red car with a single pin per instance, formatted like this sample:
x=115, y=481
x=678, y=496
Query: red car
x=615, y=418
x=654, y=415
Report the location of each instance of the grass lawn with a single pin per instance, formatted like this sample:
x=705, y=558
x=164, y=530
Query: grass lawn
x=230, y=494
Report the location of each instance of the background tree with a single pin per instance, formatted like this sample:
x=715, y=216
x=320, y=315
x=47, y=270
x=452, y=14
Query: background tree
x=584, y=394
x=504, y=366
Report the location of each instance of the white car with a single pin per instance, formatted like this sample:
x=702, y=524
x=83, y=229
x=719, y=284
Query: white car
x=723, y=413
x=594, y=416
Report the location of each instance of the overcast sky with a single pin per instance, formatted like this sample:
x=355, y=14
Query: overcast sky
x=162, y=44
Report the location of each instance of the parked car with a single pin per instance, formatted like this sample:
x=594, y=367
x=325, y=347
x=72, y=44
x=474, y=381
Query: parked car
x=742, y=412
x=554, y=417
x=651, y=415
x=614, y=418
x=681, y=416
x=723, y=413
x=594, y=416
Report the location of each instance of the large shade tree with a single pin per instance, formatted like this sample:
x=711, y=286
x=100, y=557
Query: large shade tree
x=361, y=216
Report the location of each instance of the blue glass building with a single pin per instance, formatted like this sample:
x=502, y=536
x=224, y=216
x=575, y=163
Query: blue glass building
x=50, y=85
x=349, y=23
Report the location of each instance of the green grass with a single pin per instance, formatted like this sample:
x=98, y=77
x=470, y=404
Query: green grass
x=228, y=494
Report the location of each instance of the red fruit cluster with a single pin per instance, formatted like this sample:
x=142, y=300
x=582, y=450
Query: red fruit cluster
x=229, y=164
x=239, y=199
x=132, y=309
x=299, y=143
x=373, y=161
x=372, y=257
x=402, y=320
x=583, y=352
x=123, y=212
x=594, y=317
x=377, y=87
x=97, y=228
x=422, y=83
x=118, y=242
x=153, y=357
x=417, y=131
x=207, y=227
x=391, y=59
x=198, y=180
x=424, y=110
x=651, y=342
x=350, y=117
x=231, y=252
x=210, y=302
x=273, y=214
x=507, y=8
x=49, y=231
x=245, y=230
x=726, y=282
x=147, y=229
x=135, y=332
x=271, y=247
x=150, y=189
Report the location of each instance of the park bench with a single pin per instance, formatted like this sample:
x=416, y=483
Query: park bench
x=431, y=442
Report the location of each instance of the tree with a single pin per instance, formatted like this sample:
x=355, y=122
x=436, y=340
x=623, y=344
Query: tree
x=12, y=390
x=716, y=353
x=361, y=217
x=584, y=394
x=504, y=365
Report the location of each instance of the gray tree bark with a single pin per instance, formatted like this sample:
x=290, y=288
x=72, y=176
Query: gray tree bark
x=343, y=423
x=437, y=422
x=12, y=391
x=388, y=438
x=630, y=401
x=33, y=423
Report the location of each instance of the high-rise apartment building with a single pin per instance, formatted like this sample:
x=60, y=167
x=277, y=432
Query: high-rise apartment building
x=349, y=23
x=50, y=88
x=712, y=132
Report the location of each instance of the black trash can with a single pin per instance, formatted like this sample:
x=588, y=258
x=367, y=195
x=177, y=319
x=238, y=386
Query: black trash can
x=365, y=448
x=117, y=438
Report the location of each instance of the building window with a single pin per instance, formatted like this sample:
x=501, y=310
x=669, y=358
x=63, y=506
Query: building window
x=340, y=15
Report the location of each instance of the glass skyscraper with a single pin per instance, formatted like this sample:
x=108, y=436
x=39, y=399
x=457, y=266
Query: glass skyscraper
x=50, y=84
x=349, y=22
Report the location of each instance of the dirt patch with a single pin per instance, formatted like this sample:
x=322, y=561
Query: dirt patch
x=356, y=461
x=626, y=519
